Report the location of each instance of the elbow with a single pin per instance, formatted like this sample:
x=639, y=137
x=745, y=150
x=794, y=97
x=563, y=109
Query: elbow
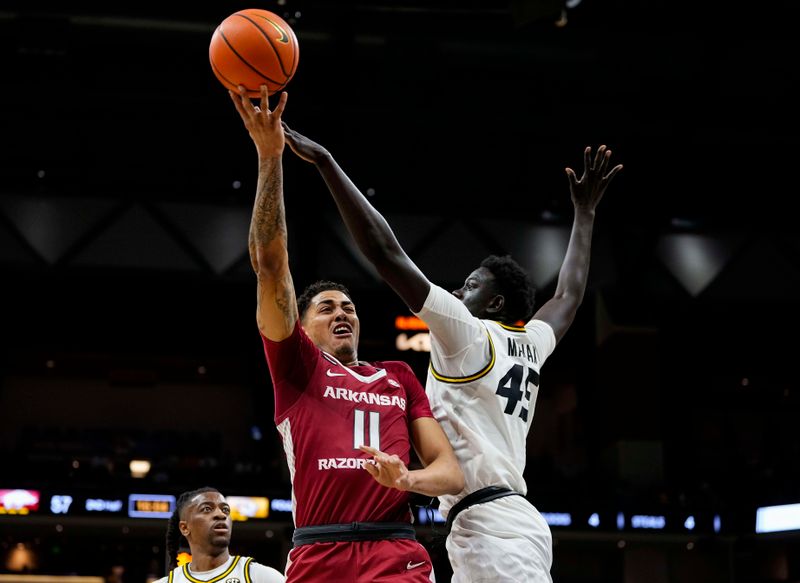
x=269, y=262
x=570, y=298
x=442, y=476
x=374, y=249
x=455, y=489
x=458, y=483
x=382, y=253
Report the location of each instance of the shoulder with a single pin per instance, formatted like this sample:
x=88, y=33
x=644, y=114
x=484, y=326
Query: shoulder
x=404, y=374
x=162, y=580
x=449, y=320
x=437, y=300
x=402, y=371
x=541, y=329
x=262, y=574
x=394, y=366
x=287, y=356
x=504, y=329
x=297, y=336
x=438, y=292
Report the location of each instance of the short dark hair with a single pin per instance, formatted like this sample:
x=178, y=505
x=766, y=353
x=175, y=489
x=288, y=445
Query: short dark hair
x=304, y=299
x=174, y=535
x=514, y=285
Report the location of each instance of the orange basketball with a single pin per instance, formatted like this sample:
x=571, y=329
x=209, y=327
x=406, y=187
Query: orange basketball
x=254, y=47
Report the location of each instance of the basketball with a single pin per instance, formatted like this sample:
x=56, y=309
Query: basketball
x=254, y=47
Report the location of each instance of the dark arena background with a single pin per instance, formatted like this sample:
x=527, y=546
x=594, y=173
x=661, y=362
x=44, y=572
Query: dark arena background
x=665, y=441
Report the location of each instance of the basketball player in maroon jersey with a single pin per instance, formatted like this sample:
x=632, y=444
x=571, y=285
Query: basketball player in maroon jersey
x=347, y=425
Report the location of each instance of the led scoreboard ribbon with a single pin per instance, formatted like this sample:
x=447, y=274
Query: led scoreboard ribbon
x=150, y=505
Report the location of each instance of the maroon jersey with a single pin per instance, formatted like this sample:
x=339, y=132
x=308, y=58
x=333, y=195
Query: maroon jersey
x=324, y=411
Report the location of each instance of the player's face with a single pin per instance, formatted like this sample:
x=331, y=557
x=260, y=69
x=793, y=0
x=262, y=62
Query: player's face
x=477, y=292
x=207, y=526
x=332, y=323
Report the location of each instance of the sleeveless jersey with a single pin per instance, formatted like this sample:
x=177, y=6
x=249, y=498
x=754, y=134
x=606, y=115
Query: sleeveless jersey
x=236, y=570
x=482, y=385
x=324, y=411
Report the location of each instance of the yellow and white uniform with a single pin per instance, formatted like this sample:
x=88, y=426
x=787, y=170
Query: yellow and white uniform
x=235, y=570
x=482, y=384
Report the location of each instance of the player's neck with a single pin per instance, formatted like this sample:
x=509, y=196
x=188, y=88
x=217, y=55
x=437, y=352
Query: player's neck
x=204, y=562
x=350, y=359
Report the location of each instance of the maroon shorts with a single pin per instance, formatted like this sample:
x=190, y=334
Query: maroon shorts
x=370, y=561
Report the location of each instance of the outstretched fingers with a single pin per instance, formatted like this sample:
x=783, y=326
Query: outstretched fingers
x=239, y=104
x=244, y=105
x=599, y=157
x=375, y=453
x=604, y=164
x=613, y=172
x=603, y=154
x=587, y=160
x=264, y=102
x=382, y=459
x=573, y=179
x=278, y=111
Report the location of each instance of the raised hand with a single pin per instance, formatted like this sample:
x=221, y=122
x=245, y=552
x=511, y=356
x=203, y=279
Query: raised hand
x=587, y=190
x=263, y=125
x=388, y=470
x=308, y=150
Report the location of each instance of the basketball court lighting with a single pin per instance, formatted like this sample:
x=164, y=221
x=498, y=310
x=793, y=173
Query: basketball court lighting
x=139, y=468
x=778, y=518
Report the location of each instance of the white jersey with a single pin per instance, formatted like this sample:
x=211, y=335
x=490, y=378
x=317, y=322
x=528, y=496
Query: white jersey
x=235, y=570
x=482, y=384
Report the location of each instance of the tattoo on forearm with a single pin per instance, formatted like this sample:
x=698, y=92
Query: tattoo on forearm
x=268, y=220
x=267, y=243
x=285, y=300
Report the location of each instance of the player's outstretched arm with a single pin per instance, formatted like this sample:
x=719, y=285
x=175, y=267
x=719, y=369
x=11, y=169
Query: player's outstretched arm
x=586, y=193
x=441, y=474
x=277, y=306
x=367, y=226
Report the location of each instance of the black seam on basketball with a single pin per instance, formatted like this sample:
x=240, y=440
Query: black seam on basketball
x=269, y=40
x=292, y=39
x=233, y=85
x=218, y=72
x=243, y=60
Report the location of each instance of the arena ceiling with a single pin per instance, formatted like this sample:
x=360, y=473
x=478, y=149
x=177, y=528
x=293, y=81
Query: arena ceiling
x=123, y=157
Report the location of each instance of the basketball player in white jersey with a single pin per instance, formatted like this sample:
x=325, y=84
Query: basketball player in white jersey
x=487, y=349
x=202, y=518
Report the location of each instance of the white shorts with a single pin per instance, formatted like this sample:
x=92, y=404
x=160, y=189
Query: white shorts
x=503, y=540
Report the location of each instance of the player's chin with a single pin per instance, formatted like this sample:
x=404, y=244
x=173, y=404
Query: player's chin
x=221, y=540
x=343, y=348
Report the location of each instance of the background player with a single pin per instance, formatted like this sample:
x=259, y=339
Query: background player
x=202, y=517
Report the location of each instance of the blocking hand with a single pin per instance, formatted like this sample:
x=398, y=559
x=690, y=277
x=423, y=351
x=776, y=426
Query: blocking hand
x=307, y=149
x=589, y=189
